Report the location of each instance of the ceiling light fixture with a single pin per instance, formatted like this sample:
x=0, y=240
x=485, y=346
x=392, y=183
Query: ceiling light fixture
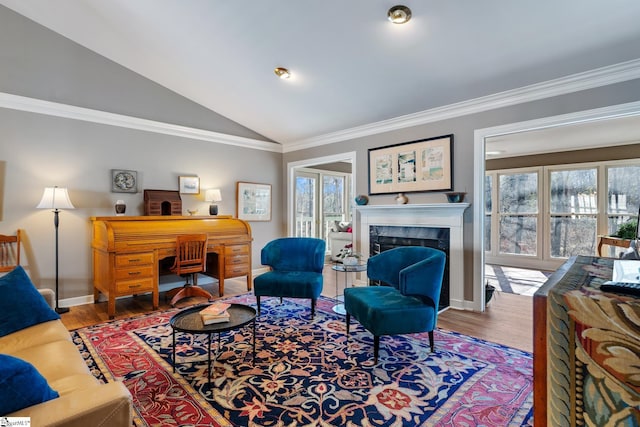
x=281, y=72
x=399, y=14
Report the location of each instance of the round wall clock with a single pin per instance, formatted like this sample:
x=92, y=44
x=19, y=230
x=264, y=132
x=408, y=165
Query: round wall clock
x=124, y=181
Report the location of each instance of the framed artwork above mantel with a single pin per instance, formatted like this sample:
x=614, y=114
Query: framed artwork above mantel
x=421, y=165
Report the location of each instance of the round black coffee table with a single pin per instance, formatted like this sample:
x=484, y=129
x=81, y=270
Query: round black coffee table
x=189, y=321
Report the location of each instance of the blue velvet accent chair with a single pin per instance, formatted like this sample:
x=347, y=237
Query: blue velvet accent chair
x=409, y=304
x=296, y=269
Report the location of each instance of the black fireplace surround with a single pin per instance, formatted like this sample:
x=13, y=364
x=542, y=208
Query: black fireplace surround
x=385, y=237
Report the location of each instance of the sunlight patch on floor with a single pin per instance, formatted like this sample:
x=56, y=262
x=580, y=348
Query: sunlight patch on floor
x=515, y=280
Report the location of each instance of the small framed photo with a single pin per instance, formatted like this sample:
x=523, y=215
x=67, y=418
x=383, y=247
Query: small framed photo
x=253, y=201
x=124, y=181
x=189, y=185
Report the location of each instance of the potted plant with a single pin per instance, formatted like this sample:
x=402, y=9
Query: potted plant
x=627, y=230
x=489, y=290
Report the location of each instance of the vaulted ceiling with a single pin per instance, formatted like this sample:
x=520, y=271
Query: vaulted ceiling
x=350, y=66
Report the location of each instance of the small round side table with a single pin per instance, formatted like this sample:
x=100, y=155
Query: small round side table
x=346, y=269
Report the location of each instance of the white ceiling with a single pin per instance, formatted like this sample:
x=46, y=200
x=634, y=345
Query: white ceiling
x=580, y=136
x=351, y=67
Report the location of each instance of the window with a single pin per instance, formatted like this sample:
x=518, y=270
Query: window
x=488, y=200
x=538, y=217
x=573, y=214
x=518, y=208
x=333, y=201
x=623, y=195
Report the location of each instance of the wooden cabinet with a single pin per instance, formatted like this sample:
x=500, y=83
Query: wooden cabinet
x=126, y=252
x=586, y=345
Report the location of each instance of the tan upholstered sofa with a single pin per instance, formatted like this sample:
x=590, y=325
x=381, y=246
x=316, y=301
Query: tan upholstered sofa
x=83, y=401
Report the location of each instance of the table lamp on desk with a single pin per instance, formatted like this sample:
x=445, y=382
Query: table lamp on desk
x=213, y=195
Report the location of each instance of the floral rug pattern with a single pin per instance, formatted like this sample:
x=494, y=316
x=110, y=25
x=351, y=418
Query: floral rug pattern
x=306, y=372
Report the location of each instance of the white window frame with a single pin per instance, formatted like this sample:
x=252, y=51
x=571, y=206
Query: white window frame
x=543, y=260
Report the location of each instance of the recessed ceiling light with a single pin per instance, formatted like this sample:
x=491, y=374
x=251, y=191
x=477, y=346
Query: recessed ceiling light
x=281, y=72
x=399, y=14
x=494, y=153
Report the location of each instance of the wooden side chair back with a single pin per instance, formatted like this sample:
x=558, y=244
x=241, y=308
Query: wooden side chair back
x=191, y=259
x=9, y=252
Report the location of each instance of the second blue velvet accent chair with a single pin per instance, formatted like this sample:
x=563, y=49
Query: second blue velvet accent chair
x=296, y=269
x=410, y=304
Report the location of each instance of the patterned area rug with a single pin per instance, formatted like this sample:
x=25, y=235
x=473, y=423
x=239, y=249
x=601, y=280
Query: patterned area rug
x=308, y=373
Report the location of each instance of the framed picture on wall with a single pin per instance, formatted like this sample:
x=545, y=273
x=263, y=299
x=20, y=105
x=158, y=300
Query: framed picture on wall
x=422, y=165
x=189, y=185
x=124, y=181
x=253, y=201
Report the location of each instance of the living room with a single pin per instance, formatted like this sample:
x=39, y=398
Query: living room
x=70, y=116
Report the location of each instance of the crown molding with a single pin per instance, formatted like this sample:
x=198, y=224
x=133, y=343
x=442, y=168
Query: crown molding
x=33, y=105
x=604, y=76
x=581, y=81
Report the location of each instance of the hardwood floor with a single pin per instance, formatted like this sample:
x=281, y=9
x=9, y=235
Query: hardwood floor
x=508, y=319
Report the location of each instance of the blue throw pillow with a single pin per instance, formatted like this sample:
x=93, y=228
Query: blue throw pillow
x=21, y=385
x=21, y=304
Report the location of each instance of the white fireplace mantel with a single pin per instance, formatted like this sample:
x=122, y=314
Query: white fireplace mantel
x=440, y=215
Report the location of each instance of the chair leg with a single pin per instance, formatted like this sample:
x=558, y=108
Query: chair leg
x=258, y=302
x=431, y=341
x=376, y=349
x=348, y=319
x=313, y=308
x=190, y=291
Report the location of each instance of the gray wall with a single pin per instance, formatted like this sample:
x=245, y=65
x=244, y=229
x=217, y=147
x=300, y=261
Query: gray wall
x=37, y=151
x=463, y=130
x=39, y=63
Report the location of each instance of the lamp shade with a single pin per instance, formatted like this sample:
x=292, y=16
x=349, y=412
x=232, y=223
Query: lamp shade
x=55, y=198
x=213, y=195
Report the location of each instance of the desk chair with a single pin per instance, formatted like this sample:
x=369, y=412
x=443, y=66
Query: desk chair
x=409, y=304
x=191, y=257
x=9, y=252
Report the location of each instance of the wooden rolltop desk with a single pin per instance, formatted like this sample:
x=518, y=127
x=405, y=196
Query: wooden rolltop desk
x=128, y=249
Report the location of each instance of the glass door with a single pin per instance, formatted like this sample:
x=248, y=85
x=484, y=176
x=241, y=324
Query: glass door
x=306, y=204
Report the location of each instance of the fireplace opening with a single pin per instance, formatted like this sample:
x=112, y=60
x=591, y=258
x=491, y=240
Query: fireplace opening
x=385, y=237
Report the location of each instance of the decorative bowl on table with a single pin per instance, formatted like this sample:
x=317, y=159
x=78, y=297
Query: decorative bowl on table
x=350, y=260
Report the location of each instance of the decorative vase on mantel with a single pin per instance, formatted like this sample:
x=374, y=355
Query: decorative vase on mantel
x=401, y=199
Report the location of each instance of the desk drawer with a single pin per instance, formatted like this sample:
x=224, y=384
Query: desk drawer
x=235, y=270
x=139, y=272
x=127, y=260
x=232, y=250
x=237, y=259
x=129, y=287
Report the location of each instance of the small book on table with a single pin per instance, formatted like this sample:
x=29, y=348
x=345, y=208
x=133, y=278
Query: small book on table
x=215, y=313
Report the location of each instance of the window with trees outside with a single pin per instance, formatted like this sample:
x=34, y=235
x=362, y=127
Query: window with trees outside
x=538, y=217
x=321, y=198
